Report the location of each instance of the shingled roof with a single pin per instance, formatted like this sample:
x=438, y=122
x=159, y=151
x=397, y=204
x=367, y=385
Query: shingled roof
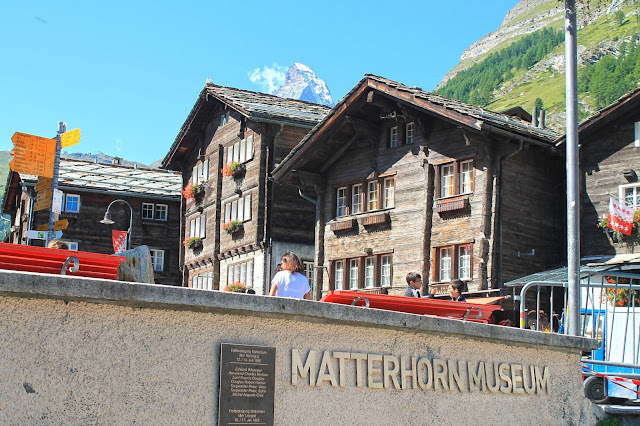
x=460, y=113
x=255, y=106
x=130, y=181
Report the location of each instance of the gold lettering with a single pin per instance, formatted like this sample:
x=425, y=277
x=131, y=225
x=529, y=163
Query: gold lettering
x=515, y=378
x=404, y=373
x=477, y=378
x=421, y=376
x=496, y=378
x=308, y=369
x=326, y=371
x=359, y=357
x=454, y=374
x=440, y=374
x=532, y=381
x=373, y=371
x=506, y=377
x=542, y=380
x=390, y=374
x=341, y=356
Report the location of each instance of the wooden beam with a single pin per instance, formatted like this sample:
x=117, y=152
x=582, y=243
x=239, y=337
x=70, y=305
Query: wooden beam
x=339, y=152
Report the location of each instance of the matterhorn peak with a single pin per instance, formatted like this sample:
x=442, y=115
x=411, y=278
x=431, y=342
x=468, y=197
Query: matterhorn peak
x=303, y=84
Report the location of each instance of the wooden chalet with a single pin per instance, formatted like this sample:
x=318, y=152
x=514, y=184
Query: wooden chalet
x=609, y=167
x=88, y=189
x=406, y=180
x=236, y=227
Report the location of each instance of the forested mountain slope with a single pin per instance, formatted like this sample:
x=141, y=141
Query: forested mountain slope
x=522, y=63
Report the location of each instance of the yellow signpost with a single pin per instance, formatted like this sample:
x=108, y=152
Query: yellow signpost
x=33, y=155
x=57, y=226
x=70, y=138
x=44, y=183
x=41, y=204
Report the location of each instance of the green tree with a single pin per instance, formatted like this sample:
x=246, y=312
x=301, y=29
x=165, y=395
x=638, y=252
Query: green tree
x=538, y=103
x=619, y=17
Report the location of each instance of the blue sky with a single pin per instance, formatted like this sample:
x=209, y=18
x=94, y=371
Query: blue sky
x=128, y=73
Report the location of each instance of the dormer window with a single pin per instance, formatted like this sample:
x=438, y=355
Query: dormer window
x=409, y=132
x=224, y=119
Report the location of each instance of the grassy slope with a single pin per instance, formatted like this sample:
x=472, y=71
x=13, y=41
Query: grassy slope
x=525, y=87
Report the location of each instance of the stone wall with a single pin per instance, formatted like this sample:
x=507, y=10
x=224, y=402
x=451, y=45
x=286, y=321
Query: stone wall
x=95, y=351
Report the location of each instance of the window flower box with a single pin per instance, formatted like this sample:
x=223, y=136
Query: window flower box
x=232, y=226
x=192, y=242
x=193, y=190
x=234, y=168
x=376, y=219
x=236, y=287
x=342, y=225
x=450, y=205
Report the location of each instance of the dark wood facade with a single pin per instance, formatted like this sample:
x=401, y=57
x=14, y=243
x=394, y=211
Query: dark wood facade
x=85, y=232
x=410, y=181
x=609, y=167
x=258, y=131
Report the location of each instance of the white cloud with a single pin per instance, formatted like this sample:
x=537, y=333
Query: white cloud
x=119, y=145
x=268, y=78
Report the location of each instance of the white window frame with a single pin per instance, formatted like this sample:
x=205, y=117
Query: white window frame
x=410, y=132
x=446, y=262
x=200, y=172
x=464, y=262
x=356, y=199
x=341, y=201
x=157, y=260
x=158, y=209
x=466, y=177
x=66, y=203
x=447, y=180
x=338, y=274
x=148, y=210
x=385, y=270
x=393, y=137
x=238, y=209
x=242, y=272
x=241, y=151
x=372, y=195
x=203, y=281
x=369, y=272
x=354, y=269
x=198, y=226
x=635, y=189
x=388, y=193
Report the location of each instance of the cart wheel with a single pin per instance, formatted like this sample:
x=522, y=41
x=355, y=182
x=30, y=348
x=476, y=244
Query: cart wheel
x=594, y=389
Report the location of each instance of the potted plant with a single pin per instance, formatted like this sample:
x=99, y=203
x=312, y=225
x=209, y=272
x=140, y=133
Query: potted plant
x=192, y=242
x=236, y=287
x=618, y=236
x=235, y=168
x=232, y=226
x=192, y=190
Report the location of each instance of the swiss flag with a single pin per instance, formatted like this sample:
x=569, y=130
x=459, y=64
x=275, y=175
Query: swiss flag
x=620, y=217
x=119, y=241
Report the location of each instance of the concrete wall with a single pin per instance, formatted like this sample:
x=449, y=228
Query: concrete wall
x=95, y=351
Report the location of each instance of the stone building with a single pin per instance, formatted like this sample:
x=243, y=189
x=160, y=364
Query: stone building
x=236, y=221
x=406, y=180
x=88, y=189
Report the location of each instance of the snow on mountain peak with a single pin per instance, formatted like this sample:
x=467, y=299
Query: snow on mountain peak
x=303, y=84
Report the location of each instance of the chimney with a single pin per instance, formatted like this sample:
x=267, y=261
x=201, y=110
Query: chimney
x=534, y=116
x=116, y=161
x=541, y=119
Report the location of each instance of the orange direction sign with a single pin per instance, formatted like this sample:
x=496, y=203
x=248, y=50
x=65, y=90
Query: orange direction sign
x=69, y=138
x=43, y=227
x=45, y=194
x=42, y=204
x=33, y=143
x=33, y=155
x=61, y=224
x=44, y=183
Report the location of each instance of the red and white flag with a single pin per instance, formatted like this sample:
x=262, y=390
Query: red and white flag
x=119, y=241
x=620, y=217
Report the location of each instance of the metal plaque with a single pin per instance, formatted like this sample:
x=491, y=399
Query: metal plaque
x=247, y=384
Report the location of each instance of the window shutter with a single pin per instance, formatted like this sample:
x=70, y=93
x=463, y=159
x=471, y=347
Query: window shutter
x=203, y=226
x=249, y=282
x=227, y=212
x=234, y=210
x=236, y=152
x=241, y=209
x=194, y=174
x=205, y=170
x=197, y=227
x=250, y=147
x=247, y=207
x=243, y=150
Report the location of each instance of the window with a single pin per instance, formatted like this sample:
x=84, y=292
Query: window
x=154, y=211
x=372, y=195
x=198, y=226
x=393, y=137
x=388, y=197
x=369, y=270
x=453, y=262
x=241, y=151
x=238, y=209
x=362, y=197
x=354, y=265
x=630, y=194
x=385, y=270
x=203, y=281
x=356, y=199
x=200, y=172
x=341, y=201
x=224, y=119
x=72, y=203
x=241, y=272
x=409, y=133
x=338, y=274
x=309, y=272
x=455, y=178
x=636, y=134
x=157, y=260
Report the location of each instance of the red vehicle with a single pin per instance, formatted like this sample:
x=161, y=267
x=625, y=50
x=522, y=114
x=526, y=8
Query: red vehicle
x=474, y=310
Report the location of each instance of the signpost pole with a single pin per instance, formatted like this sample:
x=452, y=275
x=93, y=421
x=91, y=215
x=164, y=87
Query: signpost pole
x=62, y=127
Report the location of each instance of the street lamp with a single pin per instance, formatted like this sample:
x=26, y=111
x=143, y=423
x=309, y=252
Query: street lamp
x=107, y=219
